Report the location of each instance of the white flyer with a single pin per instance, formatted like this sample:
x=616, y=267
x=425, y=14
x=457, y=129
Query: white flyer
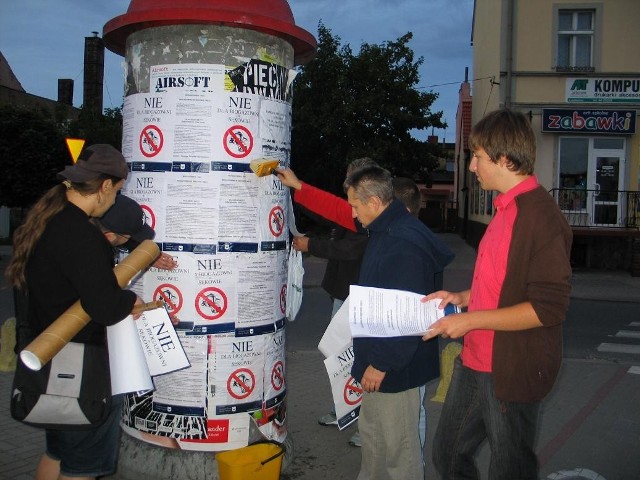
x=337, y=334
x=380, y=312
x=160, y=343
x=346, y=391
x=127, y=363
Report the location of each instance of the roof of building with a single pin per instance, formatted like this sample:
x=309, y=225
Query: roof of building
x=7, y=77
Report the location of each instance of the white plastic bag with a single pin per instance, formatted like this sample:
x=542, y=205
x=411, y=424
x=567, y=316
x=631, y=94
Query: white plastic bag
x=295, y=277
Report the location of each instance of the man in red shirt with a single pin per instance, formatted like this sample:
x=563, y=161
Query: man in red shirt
x=513, y=325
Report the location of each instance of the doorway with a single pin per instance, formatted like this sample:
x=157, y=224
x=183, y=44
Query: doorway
x=591, y=178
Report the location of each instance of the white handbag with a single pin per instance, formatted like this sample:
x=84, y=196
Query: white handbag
x=295, y=277
x=295, y=274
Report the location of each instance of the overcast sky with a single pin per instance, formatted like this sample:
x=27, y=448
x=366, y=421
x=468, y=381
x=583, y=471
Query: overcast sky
x=43, y=40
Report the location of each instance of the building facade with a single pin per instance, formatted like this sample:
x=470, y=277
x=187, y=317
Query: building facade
x=573, y=68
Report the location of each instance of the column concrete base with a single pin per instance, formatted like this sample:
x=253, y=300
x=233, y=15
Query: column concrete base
x=140, y=460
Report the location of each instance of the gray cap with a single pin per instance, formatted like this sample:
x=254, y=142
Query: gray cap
x=94, y=161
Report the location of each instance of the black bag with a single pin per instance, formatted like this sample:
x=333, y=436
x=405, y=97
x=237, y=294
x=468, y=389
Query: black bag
x=71, y=392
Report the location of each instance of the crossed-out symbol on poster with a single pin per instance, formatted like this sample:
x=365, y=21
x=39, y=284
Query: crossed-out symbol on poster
x=277, y=376
x=238, y=141
x=241, y=383
x=211, y=303
x=352, y=392
x=276, y=221
x=171, y=297
x=151, y=141
x=283, y=299
x=148, y=216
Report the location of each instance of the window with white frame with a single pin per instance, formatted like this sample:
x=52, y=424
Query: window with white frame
x=576, y=31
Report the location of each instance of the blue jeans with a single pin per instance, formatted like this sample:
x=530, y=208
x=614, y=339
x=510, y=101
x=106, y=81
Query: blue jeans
x=88, y=453
x=472, y=414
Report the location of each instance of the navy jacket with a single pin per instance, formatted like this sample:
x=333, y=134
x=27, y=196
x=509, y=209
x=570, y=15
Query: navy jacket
x=402, y=254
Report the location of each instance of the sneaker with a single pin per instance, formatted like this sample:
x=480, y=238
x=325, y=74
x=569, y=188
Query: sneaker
x=354, y=441
x=328, y=419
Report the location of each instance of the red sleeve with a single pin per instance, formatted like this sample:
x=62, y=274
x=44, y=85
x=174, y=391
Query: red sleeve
x=326, y=205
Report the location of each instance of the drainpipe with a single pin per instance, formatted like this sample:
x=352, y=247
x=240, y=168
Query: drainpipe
x=509, y=52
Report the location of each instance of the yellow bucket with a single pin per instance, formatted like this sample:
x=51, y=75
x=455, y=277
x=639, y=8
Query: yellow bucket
x=260, y=461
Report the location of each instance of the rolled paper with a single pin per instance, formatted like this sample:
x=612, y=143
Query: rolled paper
x=53, y=339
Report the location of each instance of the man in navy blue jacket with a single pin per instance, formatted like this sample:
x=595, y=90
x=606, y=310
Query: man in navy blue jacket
x=402, y=254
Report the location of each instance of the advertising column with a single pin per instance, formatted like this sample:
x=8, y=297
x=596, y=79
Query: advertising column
x=201, y=103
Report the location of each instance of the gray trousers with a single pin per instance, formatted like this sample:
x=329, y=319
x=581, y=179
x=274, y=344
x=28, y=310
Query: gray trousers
x=388, y=425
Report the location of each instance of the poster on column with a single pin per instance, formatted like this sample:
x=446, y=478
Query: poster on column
x=191, y=89
x=271, y=421
x=148, y=127
x=215, y=304
x=191, y=221
x=273, y=221
x=236, y=127
x=236, y=375
x=263, y=78
x=273, y=216
x=173, y=287
x=177, y=407
x=148, y=189
x=275, y=118
x=276, y=144
x=238, y=211
x=128, y=119
x=258, y=308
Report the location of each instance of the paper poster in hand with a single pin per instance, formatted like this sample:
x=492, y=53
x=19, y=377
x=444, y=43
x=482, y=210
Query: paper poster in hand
x=346, y=391
x=129, y=371
x=160, y=343
x=140, y=349
x=337, y=334
x=380, y=312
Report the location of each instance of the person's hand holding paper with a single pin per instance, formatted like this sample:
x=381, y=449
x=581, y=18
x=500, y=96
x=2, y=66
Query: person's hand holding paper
x=379, y=312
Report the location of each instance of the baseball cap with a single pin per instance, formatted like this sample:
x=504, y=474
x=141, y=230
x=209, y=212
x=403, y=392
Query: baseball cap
x=96, y=160
x=127, y=218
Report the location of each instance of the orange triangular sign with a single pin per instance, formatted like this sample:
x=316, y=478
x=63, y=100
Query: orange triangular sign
x=75, y=147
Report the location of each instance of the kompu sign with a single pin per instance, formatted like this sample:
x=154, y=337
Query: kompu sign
x=588, y=121
x=603, y=90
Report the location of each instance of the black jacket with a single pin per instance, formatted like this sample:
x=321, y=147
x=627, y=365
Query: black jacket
x=344, y=252
x=73, y=261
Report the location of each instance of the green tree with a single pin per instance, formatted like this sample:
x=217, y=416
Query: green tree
x=32, y=151
x=348, y=105
x=92, y=128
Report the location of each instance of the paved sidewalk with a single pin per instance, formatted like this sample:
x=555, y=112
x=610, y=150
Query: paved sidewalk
x=590, y=421
x=589, y=426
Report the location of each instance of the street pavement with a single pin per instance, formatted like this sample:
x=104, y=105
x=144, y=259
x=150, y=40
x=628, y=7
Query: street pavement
x=589, y=425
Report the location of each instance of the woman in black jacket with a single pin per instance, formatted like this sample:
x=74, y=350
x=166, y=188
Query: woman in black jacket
x=60, y=257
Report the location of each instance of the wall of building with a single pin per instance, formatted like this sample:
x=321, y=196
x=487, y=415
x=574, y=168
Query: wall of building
x=515, y=66
x=528, y=80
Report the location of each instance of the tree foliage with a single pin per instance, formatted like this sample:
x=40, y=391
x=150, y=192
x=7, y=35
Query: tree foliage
x=348, y=105
x=33, y=148
x=32, y=151
x=94, y=128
